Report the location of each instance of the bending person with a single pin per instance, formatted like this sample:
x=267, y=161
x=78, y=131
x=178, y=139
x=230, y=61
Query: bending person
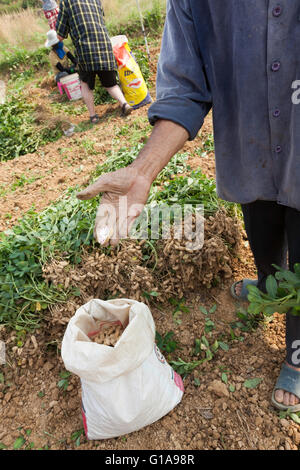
x=60, y=57
x=83, y=20
x=51, y=10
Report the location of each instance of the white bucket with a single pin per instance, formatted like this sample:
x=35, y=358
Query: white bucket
x=71, y=85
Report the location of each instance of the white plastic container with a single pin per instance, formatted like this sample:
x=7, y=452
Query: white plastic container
x=72, y=87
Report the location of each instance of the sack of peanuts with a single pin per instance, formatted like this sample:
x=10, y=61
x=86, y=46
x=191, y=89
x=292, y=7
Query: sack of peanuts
x=126, y=382
x=132, y=81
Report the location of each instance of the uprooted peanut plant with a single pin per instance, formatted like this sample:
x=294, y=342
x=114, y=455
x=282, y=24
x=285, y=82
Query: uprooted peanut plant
x=136, y=268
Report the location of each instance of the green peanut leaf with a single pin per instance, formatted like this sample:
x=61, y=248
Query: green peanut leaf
x=252, y=383
x=19, y=442
x=224, y=378
x=223, y=346
x=295, y=417
x=271, y=286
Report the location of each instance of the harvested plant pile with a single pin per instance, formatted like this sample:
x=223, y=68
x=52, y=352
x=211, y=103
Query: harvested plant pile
x=101, y=275
x=136, y=269
x=181, y=270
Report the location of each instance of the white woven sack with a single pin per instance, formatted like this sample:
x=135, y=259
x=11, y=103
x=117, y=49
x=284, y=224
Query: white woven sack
x=125, y=387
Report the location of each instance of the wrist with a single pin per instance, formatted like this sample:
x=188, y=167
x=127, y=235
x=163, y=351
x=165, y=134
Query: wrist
x=147, y=167
x=166, y=140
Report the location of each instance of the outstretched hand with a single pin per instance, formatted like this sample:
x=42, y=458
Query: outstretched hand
x=125, y=192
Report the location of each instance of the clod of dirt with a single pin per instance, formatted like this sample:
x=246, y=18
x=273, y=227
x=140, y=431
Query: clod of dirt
x=219, y=388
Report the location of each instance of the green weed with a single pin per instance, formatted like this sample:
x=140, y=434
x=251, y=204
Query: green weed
x=153, y=22
x=88, y=146
x=20, y=182
x=71, y=109
x=64, y=382
x=166, y=343
x=180, y=308
x=283, y=294
x=209, y=145
x=12, y=58
x=209, y=324
x=101, y=96
x=83, y=126
x=202, y=345
x=184, y=368
x=246, y=321
x=76, y=436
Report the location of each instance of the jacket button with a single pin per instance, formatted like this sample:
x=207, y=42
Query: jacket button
x=277, y=11
x=276, y=66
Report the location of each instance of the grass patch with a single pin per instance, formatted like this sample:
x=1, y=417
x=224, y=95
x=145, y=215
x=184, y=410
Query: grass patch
x=193, y=189
x=18, y=133
x=16, y=57
x=69, y=107
x=26, y=28
x=9, y=6
x=135, y=132
x=123, y=18
x=20, y=45
x=19, y=182
x=64, y=227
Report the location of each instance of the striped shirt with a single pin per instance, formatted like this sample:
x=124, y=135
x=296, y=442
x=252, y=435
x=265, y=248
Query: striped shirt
x=83, y=20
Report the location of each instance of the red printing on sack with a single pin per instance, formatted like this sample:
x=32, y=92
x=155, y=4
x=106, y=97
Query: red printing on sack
x=122, y=55
x=84, y=422
x=178, y=381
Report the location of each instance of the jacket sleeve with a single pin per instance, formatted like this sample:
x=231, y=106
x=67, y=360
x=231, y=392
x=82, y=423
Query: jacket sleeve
x=62, y=22
x=182, y=91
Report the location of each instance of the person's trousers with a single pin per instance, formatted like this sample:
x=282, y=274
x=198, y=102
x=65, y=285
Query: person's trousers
x=273, y=232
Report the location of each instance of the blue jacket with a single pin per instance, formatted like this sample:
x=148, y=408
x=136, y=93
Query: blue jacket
x=242, y=58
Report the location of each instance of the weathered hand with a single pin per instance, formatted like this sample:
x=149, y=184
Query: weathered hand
x=125, y=192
